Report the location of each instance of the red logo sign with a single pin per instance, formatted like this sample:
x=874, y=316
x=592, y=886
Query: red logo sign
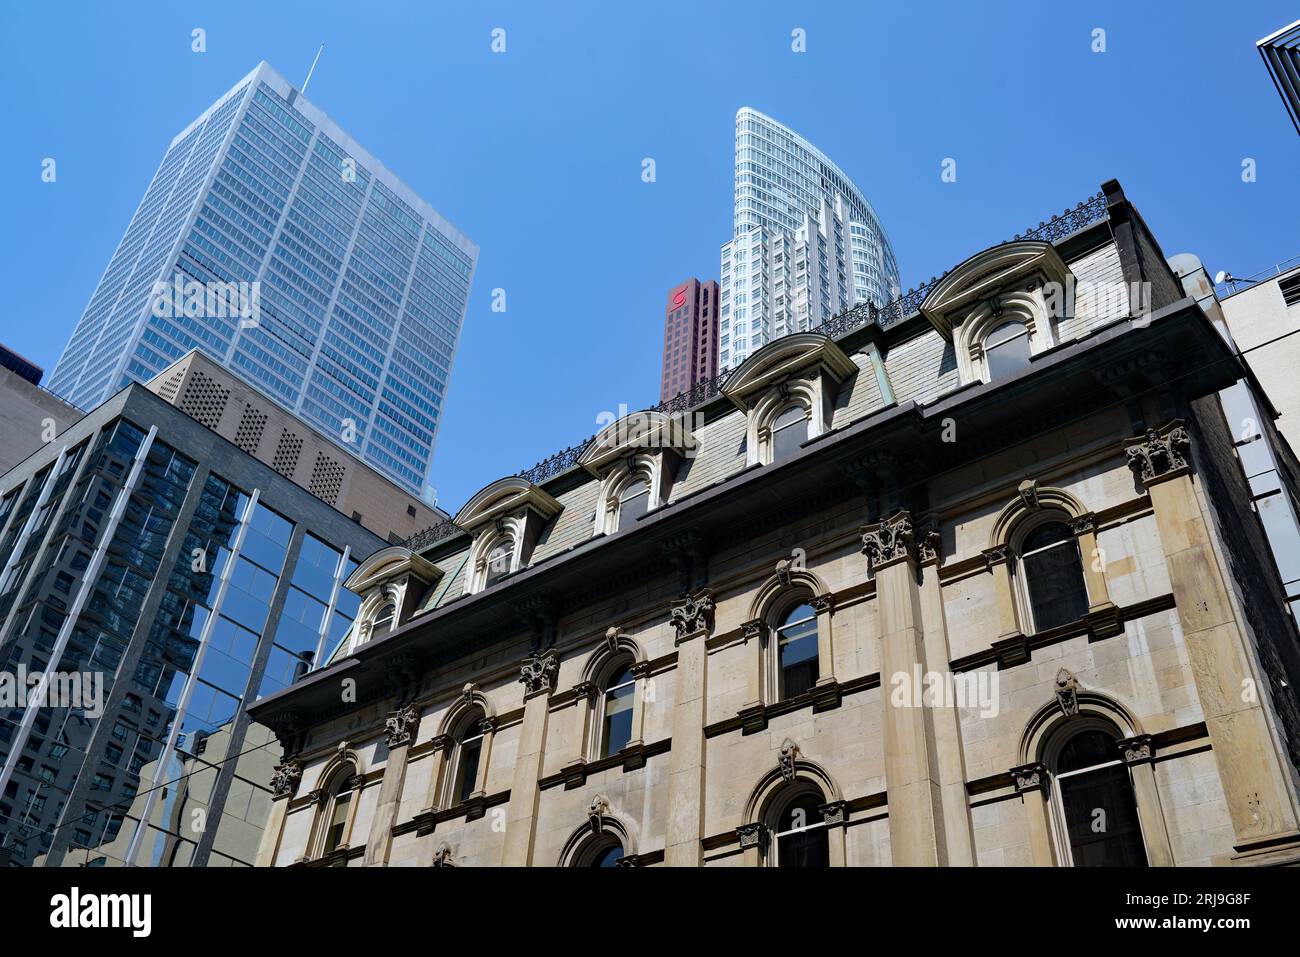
x=679, y=297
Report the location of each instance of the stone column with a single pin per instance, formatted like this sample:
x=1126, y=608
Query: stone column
x=284, y=784
x=957, y=828
x=399, y=733
x=1139, y=755
x=692, y=617
x=1252, y=770
x=1031, y=785
x=999, y=559
x=911, y=771
x=538, y=676
x=1103, y=614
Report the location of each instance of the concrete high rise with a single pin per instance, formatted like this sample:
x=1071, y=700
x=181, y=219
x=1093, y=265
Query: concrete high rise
x=690, y=337
x=271, y=241
x=806, y=244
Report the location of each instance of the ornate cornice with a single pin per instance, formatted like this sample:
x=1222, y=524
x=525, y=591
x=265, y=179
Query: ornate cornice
x=1160, y=454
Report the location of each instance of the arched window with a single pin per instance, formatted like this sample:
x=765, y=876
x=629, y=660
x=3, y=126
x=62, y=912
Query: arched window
x=633, y=502
x=469, y=752
x=338, y=804
x=789, y=432
x=384, y=620
x=1053, y=576
x=1094, y=797
x=604, y=851
x=616, y=729
x=795, y=640
x=499, y=562
x=799, y=836
x=1006, y=349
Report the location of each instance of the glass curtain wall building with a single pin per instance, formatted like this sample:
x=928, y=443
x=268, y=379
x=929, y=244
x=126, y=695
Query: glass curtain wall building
x=353, y=290
x=806, y=244
x=186, y=579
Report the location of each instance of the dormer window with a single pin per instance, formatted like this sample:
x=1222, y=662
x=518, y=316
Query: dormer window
x=1006, y=349
x=787, y=391
x=391, y=583
x=633, y=502
x=506, y=519
x=636, y=459
x=789, y=432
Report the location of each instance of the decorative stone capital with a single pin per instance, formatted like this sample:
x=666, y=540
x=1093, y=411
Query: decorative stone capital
x=823, y=604
x=1067, y=693
x=929, y=548
x=586, y=689
x=752, y=835
x=835, y=812
x=997, y=555
x=356, y=782
x=1160, y=454
x=317, y=796
x=889, y=541
x=537, y=673
x=693, y=614
x=1084, y=524
x=400, y=727
x=285, y=777
x=1030, y=777
x=754, y=629
x=442, y=742
x=1137, y=749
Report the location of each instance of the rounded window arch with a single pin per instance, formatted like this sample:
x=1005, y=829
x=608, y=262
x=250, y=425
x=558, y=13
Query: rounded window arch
x=790, y=430
x=500, y=561
x=384, y=620
x=603, y=850
x=1093, y=800
x=336, y=808
x=1049, y=572
x=467, y=757
x=1006, y=349
x=793, y=651
x=632, y=501
x=798, y=835
x=618, y=698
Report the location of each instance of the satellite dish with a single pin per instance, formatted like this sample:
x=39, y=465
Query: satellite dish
x=1220, y=277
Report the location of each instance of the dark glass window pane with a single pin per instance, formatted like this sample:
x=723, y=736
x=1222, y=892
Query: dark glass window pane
x=1102, y=820
x=632, y=504
x=617, y=729
x=797, y=846
x=467, y=768
x=1007, y=350
x=1085, y=750
x=499, y=562
x=1054, y=576
x=608, y=857
x=789, y=432
x=797, y=652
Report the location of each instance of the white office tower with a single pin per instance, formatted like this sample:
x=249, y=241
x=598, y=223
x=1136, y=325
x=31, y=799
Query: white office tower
x=806, y=245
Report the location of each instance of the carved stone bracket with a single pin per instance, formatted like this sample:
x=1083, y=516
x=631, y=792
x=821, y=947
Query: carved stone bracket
x=596, y=811
x=442, y=857
x=1084, y=524
x=754, y=629
x=693, y=614
x=356, y=782
x=752, y=835
x=889, y=541
x=400, y=727
x=1067, y=693
x=1137, y=749
x=823, y=604
x=753, y=718
x=1104, y=621
x=575, y=774
x=997, y=555
x=1030, y=777
x=537, y=673
x=835, y=812
x=1160, y=454
x=788, y=759
x=285, y=777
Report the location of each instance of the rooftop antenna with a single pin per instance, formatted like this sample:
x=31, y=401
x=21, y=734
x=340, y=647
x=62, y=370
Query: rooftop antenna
x=313, y=69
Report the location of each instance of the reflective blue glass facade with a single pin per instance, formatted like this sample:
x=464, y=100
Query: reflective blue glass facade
x=361, y=286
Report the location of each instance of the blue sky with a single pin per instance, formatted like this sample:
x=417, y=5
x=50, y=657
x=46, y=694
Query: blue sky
x=536, y=153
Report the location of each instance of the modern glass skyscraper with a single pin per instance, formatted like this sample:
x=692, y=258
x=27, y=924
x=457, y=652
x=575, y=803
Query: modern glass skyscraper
x=806, y=244
x=351, y=288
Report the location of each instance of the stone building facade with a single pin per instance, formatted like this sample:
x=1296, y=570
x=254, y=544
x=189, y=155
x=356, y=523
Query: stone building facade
x=969, y=580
